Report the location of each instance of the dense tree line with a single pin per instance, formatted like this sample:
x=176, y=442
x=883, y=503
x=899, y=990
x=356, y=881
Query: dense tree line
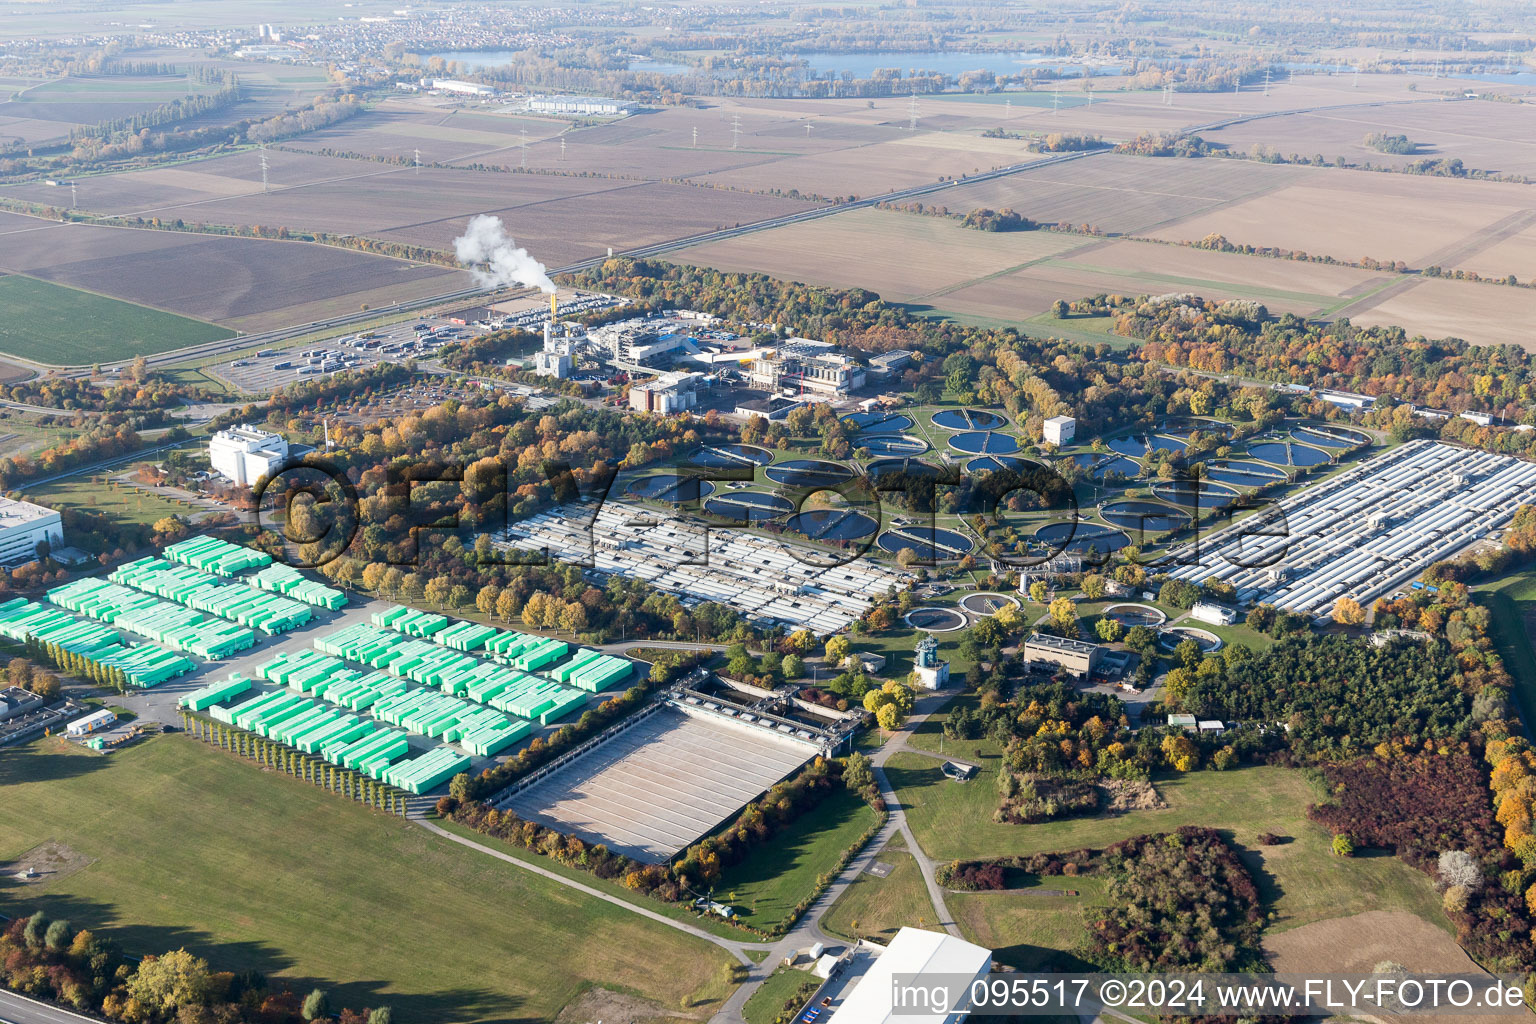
x=1335, y=696
x=1179, y=901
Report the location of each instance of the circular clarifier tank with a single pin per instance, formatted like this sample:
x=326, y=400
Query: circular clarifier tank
x=1140, y=445
x=891, y=445
x=1288, y=453
x=934, y=620
x=1079, y=537
x=993, y=463
x=931, y=544
x=1186, y=494
x=1242, y=473
x=808, y=473
x=748, y=506
x=725, y=455
x=1329, y=437
x=879, y=422
x=831, y=525
x=969, y=419
x=1186, y=425
x=1144, y=516
x=672, y=487
x=984, y=442
x=1129, y=615
x=911, y=467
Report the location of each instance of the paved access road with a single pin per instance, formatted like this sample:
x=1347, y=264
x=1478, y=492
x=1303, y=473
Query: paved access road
x=15, y=1009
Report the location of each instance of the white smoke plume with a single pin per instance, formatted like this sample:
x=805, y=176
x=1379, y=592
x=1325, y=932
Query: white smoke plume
x=495, y=260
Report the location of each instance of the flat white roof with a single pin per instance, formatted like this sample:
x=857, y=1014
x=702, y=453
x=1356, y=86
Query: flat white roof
x=913, y=951
x=1062, y=419
x=20, y=513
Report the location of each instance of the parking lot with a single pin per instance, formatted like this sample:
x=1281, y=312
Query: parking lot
x=271, y=369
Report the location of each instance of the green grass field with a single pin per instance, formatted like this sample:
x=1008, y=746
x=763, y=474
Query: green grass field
x=877, y=908
x=779, y=988
x=121, y=502
x=1511, y=602
x=1300, y=880
x=50, y=323
x=1034, y=928
x=766, y=887
x=190, y=847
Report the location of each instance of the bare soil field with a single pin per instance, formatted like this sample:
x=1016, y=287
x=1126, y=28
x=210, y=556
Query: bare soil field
x=398, y=129
x=1484, y=314
x=1357, y=944
x=27, y=129
x=1483, y=134
x=623, y=215
x=1352, y=214
x=239, y=282
x=900, y=255
x=1122, y=194
x=1010, y=277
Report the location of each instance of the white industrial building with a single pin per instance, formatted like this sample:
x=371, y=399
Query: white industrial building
x=23, y=526
x=577, y=106
x=952, y=962
x=766, y=580
x=457, y=87
x=245, y=454
x=1365, y=532
x=95, y=722
x=1213, y=614
x=669, y=393
x=1059, y=430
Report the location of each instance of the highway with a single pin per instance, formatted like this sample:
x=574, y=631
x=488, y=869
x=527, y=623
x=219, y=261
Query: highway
x=15, y=1009
x=272, y=338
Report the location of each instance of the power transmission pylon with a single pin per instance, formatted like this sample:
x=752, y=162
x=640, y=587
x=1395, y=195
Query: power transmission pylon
x=263, y=168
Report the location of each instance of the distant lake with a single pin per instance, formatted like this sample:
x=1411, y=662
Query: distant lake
x=661, y=67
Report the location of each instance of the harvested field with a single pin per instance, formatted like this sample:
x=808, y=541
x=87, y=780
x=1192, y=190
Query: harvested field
x=900, y=255
x=399, y=128
x=1495, y=137
x=621, y=215
x=238, y=282
x=1484, y=314
x=1358, y=942
x=1122, y=194
x=1010, y=277
x=89, y=100
x=1352, y=214
x=879, y=167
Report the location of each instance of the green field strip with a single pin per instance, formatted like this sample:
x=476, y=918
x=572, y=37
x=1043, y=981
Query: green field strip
x=61, y=325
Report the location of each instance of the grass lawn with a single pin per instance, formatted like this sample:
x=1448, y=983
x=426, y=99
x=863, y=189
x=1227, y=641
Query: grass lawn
x=122, y=502
x=193, y=848
x=767, y=886
x=1301, y=880
x=779, y=988
x=876, y=908
x=929, y=736
x=1511, y=603
x=53, y=324
x=676, y=912
x=1034, y=928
